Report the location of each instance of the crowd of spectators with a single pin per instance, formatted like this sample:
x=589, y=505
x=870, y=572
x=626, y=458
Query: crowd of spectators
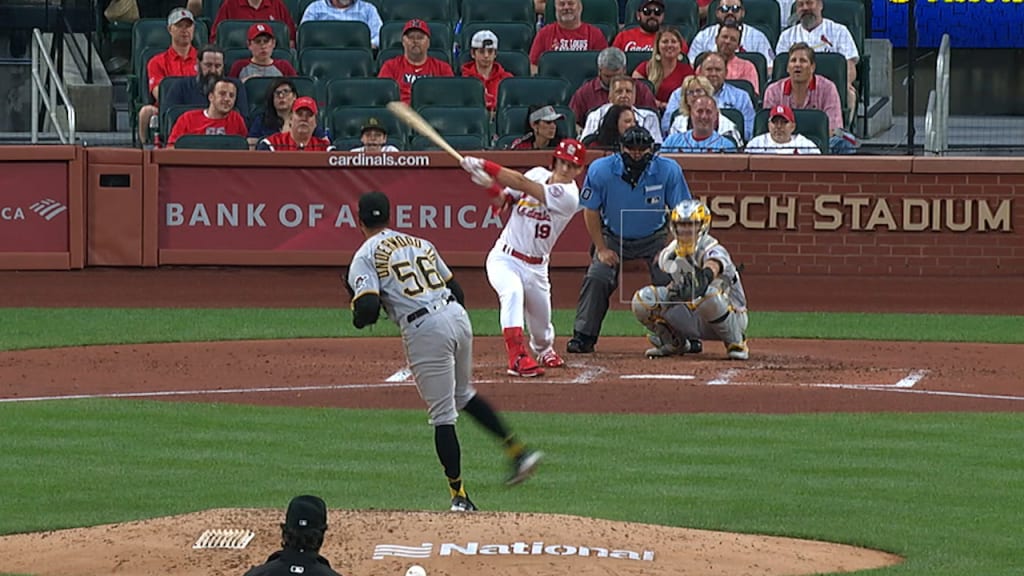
x=667, y=89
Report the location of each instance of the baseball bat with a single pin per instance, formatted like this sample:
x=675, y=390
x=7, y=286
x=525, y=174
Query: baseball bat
x=411, y=118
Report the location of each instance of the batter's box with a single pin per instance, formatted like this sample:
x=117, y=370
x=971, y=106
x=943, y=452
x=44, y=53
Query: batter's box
x=821, y=377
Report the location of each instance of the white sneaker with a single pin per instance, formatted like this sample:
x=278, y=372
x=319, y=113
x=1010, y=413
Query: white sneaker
x=738, y=351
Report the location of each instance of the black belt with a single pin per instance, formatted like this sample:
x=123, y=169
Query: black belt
x=414, y=316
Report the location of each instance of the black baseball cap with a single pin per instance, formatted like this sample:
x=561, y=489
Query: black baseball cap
x=306, y=513
x=374, y=209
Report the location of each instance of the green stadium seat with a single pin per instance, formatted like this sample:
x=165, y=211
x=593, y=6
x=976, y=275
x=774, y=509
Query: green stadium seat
x=634, y=58
x=680, y=14
x=811, y=123
x=325, y=64
x=511, y=35
x=361, y=92
x=348, y=122
x=498, y=11
x=458, y=120
x=829, y=65
x=298, y=8
x=210, y=9
x=169, y=115
x=404, y=10
x=386, y=54
x=210, y=142
x=759, y=62
x=511, y=121
x=468, y=142
x=331, y=34
x=594, y=12
x=505, y=141
x=452, y=92
x=441, y=36
x=526, y=90
x=235, y=33
x=232, y=55
x=764, y=14
x=575, y=67
x=256, y=91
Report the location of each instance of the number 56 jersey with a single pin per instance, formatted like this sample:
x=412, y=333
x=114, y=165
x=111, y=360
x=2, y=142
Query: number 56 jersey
x=405, y=272
x=533, y=228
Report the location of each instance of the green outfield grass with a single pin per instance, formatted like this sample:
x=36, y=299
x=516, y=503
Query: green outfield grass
x=944, y=490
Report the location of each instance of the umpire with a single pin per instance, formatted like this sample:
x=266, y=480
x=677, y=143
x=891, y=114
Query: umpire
x=302, y=534
x=626, y=198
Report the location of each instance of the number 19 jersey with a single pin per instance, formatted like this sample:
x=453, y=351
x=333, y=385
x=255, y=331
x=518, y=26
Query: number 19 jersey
x=533, y=227
x=406, y=273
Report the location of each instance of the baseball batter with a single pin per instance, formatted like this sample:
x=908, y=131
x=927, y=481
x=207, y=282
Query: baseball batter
x=407, y=277
x=543, y=202
x=705, y=298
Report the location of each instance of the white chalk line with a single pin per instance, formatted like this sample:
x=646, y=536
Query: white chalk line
x=165, y=393
x=657, y=377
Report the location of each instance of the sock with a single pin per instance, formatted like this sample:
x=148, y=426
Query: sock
x=482, y=412
x=513, y=343
x=446, y=442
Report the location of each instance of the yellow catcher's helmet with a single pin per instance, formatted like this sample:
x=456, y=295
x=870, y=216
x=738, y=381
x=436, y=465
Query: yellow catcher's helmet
x=697, y=218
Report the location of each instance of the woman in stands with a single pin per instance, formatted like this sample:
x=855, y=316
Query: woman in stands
x=276, y=114
x=668, y=66
x=694, y=87
x=616, y=121
x=542, y=130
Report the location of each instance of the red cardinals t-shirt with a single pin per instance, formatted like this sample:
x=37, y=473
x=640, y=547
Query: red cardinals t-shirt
x=635, y=40
x=197, y=122
x=554, y=38
x=405, y=73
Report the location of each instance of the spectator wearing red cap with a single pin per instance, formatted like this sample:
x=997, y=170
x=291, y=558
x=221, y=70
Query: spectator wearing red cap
x=483, y=48
x=299, y=137
x=261, y=45
x=218, y=119
x=178, y=60
x=347, y=11
x=414, y=62
x=780, y=138
x=568, y=33
x=262, y=10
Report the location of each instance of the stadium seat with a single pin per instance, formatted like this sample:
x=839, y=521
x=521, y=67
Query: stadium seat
x=736, y=116
x=748, y=88
x=829, y=65
x=759, y=62
x=511, y=35
x=511, y=121
x=453, y=121
x=594, y=12
x=298, y=8
x=256, y=90
x=441, y=36
x=457, y=141
x=325, y=64
x=505, y=141
x=235, y=33
x=403, y=10
x=211, y=142
x=680, y=14
x=609, y=30
x=764, y=14
x=361, y=92
x=575, y=67
x=523, y=91
x=453, y=92
x=634, y=58
x=210, y=9
x=499, y=10
x=386, y=54
x=332, y=34
x=139, y=82
x=348, y=122
x=811, y=123
x=232, y=55
x=152, y=33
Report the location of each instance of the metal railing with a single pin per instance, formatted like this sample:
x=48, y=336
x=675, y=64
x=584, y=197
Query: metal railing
x=56, y=88
x=936, y=121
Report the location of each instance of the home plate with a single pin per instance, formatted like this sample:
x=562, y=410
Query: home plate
x=656, y=377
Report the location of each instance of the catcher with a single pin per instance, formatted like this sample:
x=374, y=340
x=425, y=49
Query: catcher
x=705, y=298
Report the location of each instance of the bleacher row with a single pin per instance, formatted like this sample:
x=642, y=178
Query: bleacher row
x=338, y=67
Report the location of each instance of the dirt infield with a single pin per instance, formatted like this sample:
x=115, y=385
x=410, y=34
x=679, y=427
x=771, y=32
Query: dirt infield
x=783, y=376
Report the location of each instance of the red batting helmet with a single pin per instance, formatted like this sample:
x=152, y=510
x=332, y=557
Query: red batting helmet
x=571, y=151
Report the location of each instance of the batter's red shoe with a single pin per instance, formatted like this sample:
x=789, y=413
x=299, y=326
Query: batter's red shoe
x=525, y=366
x=551, y=359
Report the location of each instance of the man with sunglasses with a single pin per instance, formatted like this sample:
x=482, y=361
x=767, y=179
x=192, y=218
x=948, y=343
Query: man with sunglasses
x=650, y=16
x=751, y=39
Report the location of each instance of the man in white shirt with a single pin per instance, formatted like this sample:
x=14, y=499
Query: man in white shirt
x=751, y=39
x=780, y=138
x=823, y=35
x=623, y=92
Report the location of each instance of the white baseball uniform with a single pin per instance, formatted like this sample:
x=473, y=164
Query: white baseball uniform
x=517, y=265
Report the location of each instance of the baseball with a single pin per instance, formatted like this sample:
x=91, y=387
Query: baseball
x=415, y=570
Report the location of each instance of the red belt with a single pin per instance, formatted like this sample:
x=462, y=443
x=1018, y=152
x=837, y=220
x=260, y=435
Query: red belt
x=517, y=254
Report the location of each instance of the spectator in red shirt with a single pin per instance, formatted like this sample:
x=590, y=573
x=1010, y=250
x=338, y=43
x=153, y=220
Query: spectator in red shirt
x=414, y=62
x=542, y=130
x=261, y=45
x=264, y=10
x=611, y=62
x=219, y=118
x=667, y=67
x=568, y=33
x=483, y=48
x=178, y=60
x=650, y=16
x=299, y=136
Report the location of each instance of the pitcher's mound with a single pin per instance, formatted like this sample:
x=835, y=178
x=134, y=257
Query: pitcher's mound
x=363, y=543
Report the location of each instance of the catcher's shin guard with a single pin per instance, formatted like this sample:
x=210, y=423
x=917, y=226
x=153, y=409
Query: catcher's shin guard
x=648, y=305
x=727, y=324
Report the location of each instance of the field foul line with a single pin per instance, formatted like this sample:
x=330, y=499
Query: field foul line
x=166, y=393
